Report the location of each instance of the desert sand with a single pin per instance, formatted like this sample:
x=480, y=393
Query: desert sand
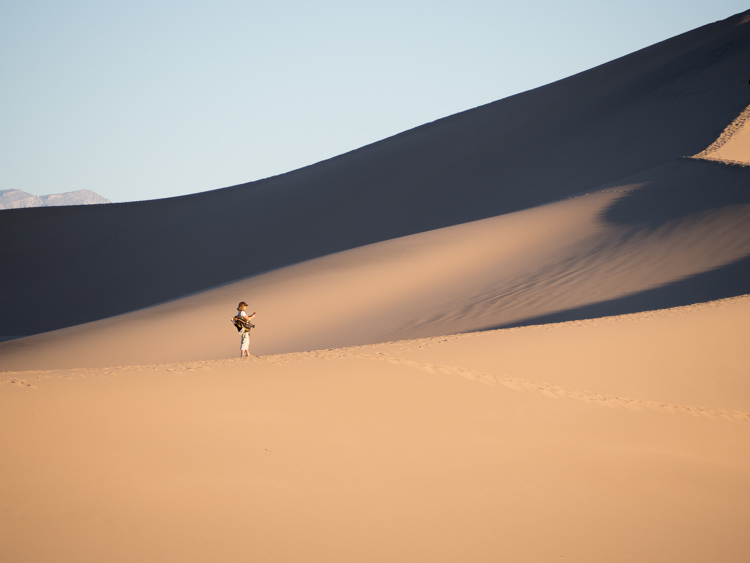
x=616, y=439
x=520, y=333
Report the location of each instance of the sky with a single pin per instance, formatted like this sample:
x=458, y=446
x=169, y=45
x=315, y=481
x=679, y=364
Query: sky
x=149, y=99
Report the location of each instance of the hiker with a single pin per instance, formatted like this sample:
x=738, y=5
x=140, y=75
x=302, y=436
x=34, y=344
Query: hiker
x=245, y=332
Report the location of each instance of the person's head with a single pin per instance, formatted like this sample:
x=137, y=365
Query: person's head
x=242, y=306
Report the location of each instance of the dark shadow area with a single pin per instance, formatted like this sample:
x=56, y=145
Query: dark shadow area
x=731, y=280
x=680, y=189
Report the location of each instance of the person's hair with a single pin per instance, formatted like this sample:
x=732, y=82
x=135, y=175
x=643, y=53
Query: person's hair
x=241, y=305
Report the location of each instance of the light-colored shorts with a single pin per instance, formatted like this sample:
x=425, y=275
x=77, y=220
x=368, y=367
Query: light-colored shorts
x=245, y=340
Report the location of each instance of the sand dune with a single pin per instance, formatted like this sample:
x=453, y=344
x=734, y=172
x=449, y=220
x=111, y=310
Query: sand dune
x=634, y=114
x=617, y=439
x=680, y=230
x=414, y=395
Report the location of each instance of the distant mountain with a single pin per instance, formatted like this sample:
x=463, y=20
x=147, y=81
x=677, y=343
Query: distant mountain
x=15, y=199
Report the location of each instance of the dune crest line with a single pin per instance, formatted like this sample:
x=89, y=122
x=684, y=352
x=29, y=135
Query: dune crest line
x=520, y=384
x=733, y=145
x=557, y=392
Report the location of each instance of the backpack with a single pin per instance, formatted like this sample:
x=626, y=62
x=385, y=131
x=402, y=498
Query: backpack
x=241, y=323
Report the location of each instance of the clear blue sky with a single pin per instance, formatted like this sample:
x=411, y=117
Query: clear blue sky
x=148, y=99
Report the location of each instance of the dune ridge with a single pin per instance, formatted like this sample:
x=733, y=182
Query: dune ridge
x=733, y=145
x=672, y=235
x=601, y=126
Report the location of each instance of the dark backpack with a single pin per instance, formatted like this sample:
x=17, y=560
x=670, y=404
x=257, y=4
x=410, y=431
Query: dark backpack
x=242, y=323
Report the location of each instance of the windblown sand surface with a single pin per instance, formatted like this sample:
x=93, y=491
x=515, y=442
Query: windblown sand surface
x=683, y=226
x=732, y=145
x=613, y=439
x=520, y=333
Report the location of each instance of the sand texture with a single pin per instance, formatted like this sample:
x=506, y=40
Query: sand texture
x=733, y=145
x=520, y=333
x=617, y=439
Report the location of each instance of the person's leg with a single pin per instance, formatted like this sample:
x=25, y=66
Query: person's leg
x=245, y=344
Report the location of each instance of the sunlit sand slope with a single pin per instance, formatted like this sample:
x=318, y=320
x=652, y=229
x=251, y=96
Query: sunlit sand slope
x=733, y=145
x=616, y=439
x=675, y=234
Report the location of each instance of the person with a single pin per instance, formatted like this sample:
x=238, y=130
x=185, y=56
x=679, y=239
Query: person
x=245, y=332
